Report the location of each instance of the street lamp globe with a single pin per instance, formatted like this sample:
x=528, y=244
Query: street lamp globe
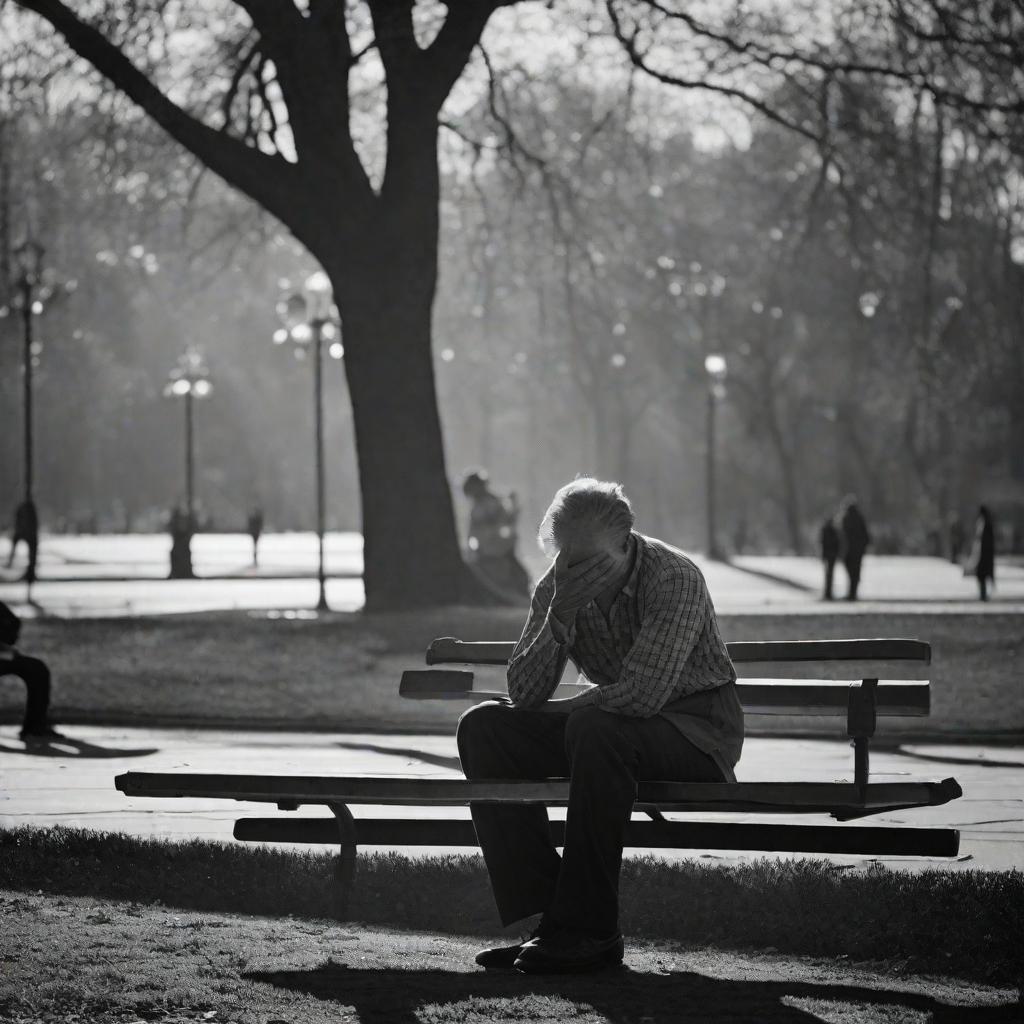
x=715, y=366
x=302, y=334
x=293, y=310
x=868, y=303
x=320, y=298
x=29, y=255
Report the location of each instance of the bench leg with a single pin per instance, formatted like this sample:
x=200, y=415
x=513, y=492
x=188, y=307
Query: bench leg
x=861, y=760
x=345, y=866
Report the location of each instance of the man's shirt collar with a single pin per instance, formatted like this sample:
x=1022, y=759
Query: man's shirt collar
x=629, y=588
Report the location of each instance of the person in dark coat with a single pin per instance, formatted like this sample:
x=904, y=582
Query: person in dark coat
x=255, y=527
x=956, y=537
x=856, y=539
x=26, y=528
x=982, y=561
x=33, y=672
x=181, y=528
x=830, y=544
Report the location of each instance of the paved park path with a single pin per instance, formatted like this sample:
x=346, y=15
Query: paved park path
x=71, y=783
x=125, y=575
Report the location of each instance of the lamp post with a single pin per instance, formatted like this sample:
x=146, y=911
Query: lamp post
x=189, y=380
x=31, y=294
x=715, y=366
x=308, y=317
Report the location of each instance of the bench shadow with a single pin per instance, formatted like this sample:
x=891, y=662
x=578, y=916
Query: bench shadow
x=70, y=747
x=387, y=996
x=979, y=762
x=438, y=760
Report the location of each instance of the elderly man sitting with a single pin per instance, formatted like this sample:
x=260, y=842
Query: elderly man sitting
x=635, y=617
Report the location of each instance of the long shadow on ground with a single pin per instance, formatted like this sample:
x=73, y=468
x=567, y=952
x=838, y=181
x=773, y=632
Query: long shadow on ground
x=621, y=997
x=438, y=760
x=68, y=747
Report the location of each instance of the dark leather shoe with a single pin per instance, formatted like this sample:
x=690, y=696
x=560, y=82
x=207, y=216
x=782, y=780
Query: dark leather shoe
x=503, y=956
x=40, y=733
x=568, y=953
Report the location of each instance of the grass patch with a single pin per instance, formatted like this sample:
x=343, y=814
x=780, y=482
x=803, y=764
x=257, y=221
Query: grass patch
x=969, y=924
x=342, y=671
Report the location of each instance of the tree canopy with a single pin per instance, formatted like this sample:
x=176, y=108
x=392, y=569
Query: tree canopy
x=326, y=114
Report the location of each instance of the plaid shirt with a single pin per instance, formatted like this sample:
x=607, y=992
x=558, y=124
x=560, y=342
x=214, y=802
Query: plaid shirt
x=658, y=652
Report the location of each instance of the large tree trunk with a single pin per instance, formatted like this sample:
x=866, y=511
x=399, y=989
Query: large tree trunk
x=384, y=284
x=411, y=553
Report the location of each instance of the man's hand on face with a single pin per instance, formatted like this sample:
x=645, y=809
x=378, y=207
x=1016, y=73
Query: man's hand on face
x=577, y=585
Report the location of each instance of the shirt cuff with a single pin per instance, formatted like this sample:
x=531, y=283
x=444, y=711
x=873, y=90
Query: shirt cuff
x=562, y=635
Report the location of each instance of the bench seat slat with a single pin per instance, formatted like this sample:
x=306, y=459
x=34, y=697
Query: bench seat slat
x=448, y=650
x=760, y=797
x=678, y=835
x=758, y=697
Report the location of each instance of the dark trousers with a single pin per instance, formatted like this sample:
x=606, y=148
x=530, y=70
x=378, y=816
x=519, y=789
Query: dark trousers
x=36, y=677
x=603, y=755
x=852, y=563
x=830, y=570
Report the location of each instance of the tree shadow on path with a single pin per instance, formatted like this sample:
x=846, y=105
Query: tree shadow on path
x=621, y=997
x=68, y=747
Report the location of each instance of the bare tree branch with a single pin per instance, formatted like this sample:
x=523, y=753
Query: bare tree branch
x=270, y=180
x=639, y=60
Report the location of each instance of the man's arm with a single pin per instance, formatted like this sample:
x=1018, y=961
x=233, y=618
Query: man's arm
x=672, y=623
x=539, y=658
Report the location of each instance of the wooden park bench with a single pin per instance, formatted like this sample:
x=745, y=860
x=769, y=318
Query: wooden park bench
x=858, y=680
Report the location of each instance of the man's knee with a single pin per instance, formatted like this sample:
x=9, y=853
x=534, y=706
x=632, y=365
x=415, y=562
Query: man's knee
x=591, y=729
x=476, y=729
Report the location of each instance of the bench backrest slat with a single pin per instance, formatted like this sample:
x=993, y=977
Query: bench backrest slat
x=448, y=650
x=760, y=697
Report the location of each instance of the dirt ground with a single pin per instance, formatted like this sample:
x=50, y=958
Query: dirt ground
x=68, y=959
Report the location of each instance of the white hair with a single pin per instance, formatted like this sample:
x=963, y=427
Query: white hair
x=598, y=508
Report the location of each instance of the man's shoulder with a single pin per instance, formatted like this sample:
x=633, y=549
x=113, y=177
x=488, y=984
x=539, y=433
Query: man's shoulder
x=666, y=564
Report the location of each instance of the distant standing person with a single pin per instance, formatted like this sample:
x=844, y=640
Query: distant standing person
x=255, y=531
x=956, y=537
x=492, y=539
x=856, y=539
x=981, y=562
x=830, y=544
x=180, y=527
x=26, y=528
x=35, y=675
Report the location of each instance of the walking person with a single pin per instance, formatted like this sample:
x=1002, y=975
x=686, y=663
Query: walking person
x=33, y=672
x=254, y=526
x=635, y=617
x=956, y=537
x=26, y=528
x=981, y=563
x=830, y=543
x=855, y=541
